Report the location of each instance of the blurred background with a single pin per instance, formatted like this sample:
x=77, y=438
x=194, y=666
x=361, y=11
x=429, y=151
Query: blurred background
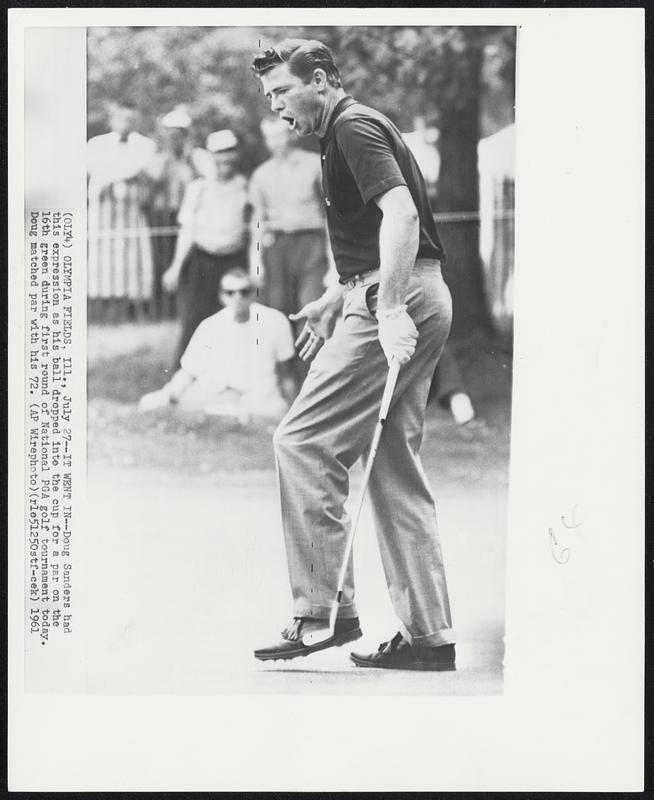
x=458, y=83
x=165, y=480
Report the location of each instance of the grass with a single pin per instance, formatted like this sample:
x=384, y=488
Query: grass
x=126, y=361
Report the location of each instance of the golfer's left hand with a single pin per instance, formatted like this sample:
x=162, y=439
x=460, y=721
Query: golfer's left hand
x=397, y=334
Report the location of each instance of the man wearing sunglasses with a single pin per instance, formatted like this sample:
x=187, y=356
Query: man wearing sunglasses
x=390, y=302
x=239, y=361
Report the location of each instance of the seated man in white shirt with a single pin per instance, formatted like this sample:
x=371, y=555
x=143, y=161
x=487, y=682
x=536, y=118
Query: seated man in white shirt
x=239, y=361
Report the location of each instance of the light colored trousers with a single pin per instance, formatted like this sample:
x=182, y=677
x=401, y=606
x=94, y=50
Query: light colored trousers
x=330, y=426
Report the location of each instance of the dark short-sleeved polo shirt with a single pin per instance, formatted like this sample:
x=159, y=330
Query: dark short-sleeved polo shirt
x=364, y=155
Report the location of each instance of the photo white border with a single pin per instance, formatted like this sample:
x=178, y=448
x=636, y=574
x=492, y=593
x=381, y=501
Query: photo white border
x=571, y=717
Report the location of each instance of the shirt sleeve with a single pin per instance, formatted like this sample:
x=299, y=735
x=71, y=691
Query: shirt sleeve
x=369, y=155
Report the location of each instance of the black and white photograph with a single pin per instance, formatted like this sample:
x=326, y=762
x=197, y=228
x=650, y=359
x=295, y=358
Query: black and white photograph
x=237, y=357
x=315, y=399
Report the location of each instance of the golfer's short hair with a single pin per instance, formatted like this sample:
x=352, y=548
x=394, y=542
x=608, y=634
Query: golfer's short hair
x=236, y=272
x=303, y=56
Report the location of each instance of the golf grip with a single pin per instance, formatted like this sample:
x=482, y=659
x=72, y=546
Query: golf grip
x=389, y=388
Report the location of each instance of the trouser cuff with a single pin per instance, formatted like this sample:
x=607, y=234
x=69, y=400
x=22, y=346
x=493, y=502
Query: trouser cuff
x=435, y=639
x=302, y=608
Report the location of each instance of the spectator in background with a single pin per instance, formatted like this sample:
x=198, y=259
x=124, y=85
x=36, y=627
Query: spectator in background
x=212, y=237
x=422, y=143
x=447, y=384
x=448, y=388
x=171, y=171
x=288, y=222
x=120, y=253
x=238, y=362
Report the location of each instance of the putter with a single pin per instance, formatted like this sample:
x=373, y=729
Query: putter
x=321, y=636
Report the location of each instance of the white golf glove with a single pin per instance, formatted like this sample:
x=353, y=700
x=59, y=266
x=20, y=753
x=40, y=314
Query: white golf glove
x=397, y=334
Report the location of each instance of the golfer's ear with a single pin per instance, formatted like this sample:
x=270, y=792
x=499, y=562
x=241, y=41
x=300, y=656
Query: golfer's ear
x=320, y=78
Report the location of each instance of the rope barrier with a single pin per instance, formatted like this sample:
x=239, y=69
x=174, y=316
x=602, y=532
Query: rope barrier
x=172, y=230
x=472, y=216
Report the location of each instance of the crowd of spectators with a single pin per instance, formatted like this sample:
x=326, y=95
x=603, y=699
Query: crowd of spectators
x=180, y=229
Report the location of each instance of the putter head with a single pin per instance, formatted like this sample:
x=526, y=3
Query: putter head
x=317, y=637
x=323, y=634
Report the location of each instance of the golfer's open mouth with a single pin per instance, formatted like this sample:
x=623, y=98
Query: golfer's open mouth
x=290, y=121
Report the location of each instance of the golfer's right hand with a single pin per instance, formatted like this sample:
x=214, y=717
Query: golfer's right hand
x=170, y=279
x=320, y=318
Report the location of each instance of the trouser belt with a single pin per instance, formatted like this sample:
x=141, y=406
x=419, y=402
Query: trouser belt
x=373, y=275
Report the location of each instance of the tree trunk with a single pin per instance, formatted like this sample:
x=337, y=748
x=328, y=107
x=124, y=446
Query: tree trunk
x=458, y=191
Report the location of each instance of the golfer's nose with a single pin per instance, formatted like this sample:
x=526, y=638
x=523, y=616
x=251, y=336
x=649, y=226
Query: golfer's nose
x=276, y=104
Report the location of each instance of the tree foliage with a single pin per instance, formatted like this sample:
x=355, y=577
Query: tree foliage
x=440, y=73
x=402, y=71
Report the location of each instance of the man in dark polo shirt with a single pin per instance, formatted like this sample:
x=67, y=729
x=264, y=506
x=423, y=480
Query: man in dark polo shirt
x=390, y=302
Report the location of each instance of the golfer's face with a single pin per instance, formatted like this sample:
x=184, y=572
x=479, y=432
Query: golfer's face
x=236, y=293
x=296, y=102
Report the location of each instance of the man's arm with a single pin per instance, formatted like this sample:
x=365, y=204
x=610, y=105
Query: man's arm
x=320, y=318
x=399, y=236
x=367, y=149
x=169, y=394
x=184, y=243
x=183, y=247
x=178, y=384
x=320, y=315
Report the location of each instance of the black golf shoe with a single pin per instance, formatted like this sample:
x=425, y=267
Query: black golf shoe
x=292, y=646
x=399, y=654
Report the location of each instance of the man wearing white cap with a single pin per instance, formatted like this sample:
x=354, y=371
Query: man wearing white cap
x=171, y=168
x=171, y=171
x=211, y=239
